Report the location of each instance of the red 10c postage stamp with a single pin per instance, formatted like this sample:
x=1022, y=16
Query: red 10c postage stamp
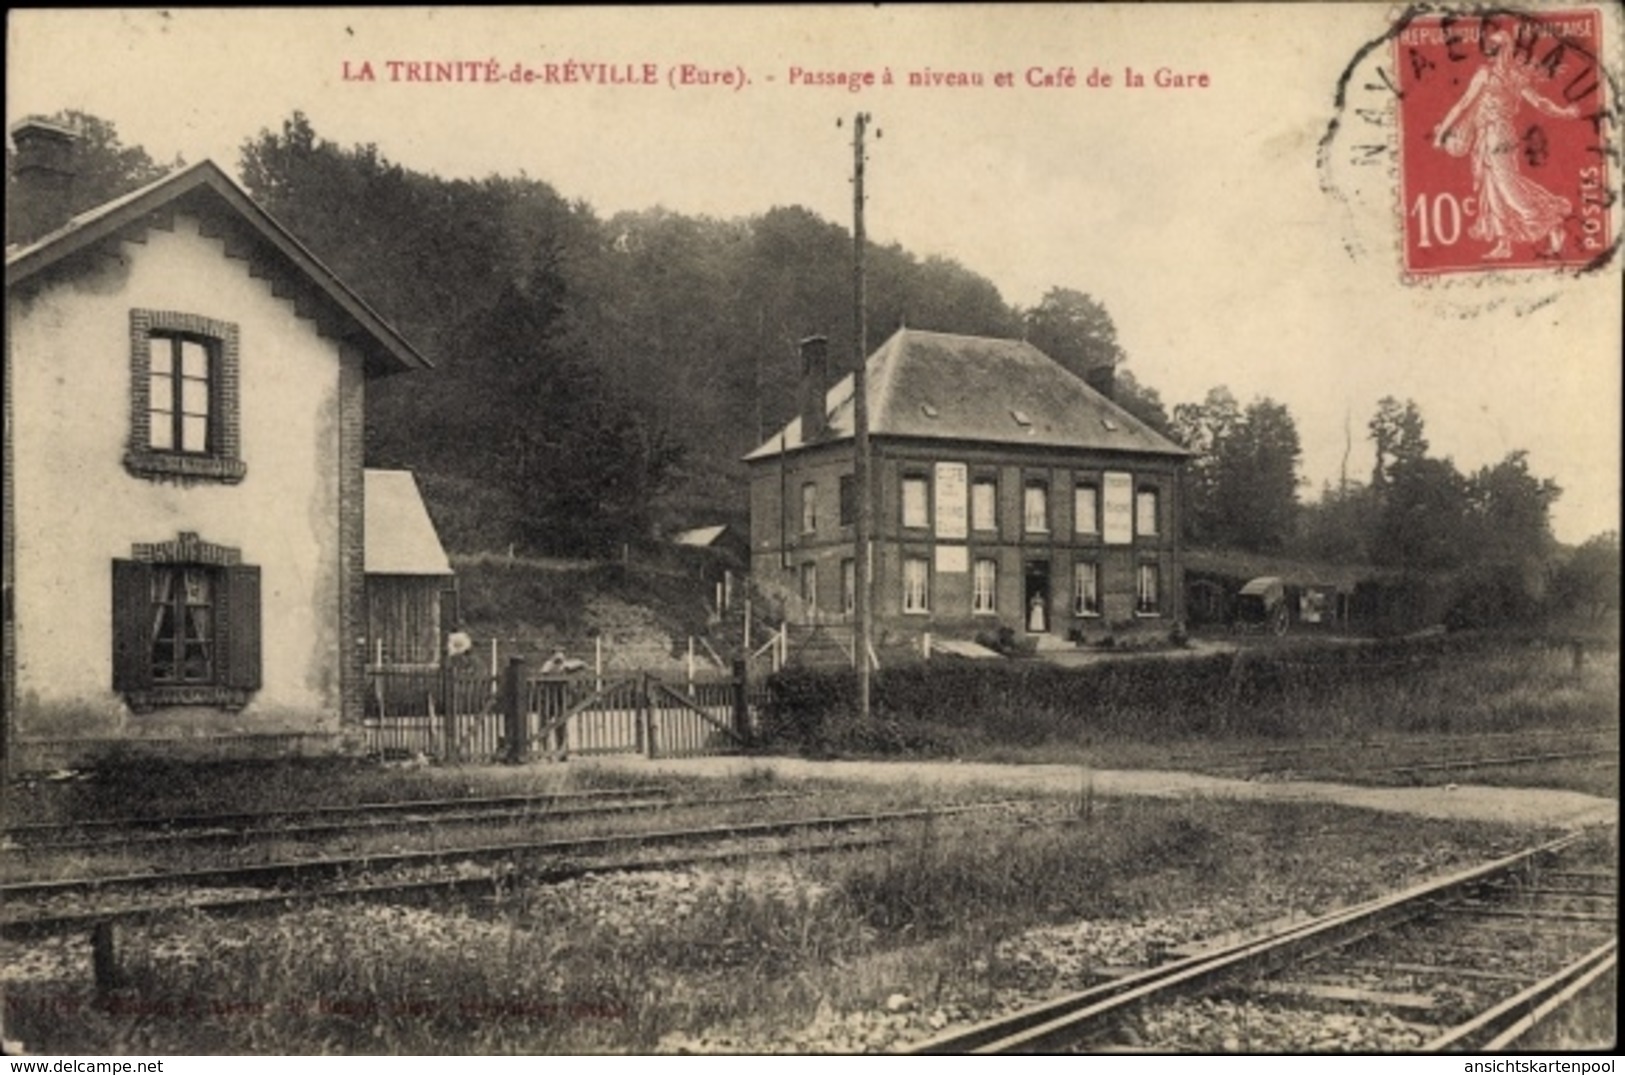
x=1503, y=160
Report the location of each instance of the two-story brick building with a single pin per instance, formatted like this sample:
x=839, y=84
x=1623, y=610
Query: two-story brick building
x=184, y=500
x=1006, y=492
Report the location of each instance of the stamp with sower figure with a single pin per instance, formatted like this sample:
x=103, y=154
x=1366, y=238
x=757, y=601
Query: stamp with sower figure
x=1503, y=158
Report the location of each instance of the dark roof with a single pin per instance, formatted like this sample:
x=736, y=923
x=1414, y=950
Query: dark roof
x=972, y=388
x=205, y=189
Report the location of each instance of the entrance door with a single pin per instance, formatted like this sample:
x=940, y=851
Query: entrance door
x=1035, y=600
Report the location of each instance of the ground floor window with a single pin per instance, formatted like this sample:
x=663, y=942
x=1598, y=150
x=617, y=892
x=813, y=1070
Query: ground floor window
x=809, y=585
x=985, y=587
x=1148, y=590
x=186, y=625
x=849, y=586
x=183, y=623
x=1086, y=588
x=916, y=584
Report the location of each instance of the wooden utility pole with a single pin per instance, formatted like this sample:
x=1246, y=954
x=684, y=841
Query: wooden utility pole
x=863, y=605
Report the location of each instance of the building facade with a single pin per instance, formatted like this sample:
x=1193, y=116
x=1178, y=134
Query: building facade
x=184, y=560
x=1007, y=492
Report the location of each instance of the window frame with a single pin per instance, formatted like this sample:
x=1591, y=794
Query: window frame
x=1028, y=488
x=1085, y=569
x=923, y=607
x=221, y=459
x=977, y=592
x=809, y=507
x=991, y=484
x=922, y=521
x=1153, y=571
x=1091, y=526
x=1147, y=494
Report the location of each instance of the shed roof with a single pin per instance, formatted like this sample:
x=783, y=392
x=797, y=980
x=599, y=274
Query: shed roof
x=257, y=237
x=701, y=536
x=400, y=536
x=942, y=386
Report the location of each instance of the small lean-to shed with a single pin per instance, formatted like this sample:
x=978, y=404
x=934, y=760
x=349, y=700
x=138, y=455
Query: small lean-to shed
x=407, y=572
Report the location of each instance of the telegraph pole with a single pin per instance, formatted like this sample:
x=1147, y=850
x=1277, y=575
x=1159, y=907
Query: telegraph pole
x=863, y=605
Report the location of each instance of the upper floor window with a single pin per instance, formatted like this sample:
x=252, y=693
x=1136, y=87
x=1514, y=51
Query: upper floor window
x=1145, y=511
x=184, y=419
x=809, y=507
x=849, y=500
x=1086, y=509
x=1035, y=508
x=916, y=509
x=984, y=504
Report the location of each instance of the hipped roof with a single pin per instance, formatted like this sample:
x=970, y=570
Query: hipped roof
x=942, y=386
x=400, y=537
x=203, y=188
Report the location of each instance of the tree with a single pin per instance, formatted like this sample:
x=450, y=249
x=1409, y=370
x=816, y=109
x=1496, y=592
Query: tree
x=1396, y=430
x=1143, y=402
x=104, y=168
x=1074, y=329
x=1242, y=485
x=1512, y=510
x=1587, y=582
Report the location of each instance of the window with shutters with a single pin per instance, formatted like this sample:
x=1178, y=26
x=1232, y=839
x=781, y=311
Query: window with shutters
x=186, y=625
x=184, y=420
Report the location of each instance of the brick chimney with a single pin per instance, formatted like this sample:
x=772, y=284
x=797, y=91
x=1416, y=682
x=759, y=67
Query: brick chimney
x=1103, y=379
x=43, y=173
x=814, y=387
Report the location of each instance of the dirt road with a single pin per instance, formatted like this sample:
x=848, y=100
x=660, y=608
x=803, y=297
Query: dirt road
x=1517, y=806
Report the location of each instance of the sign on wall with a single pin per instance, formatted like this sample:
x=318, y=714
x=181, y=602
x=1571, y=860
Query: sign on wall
x=1117, y=508
x=953, y=510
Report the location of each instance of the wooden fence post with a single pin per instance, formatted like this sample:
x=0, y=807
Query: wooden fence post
x=646, y=717
x=448, y=715
x=513, y=710
x=741, y=702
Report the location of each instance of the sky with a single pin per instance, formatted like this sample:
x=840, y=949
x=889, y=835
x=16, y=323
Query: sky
x=1231, y=246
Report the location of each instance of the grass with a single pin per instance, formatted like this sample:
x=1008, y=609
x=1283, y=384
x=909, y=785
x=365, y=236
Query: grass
x=753, y=952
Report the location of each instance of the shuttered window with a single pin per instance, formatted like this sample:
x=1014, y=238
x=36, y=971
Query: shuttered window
x=185, y=633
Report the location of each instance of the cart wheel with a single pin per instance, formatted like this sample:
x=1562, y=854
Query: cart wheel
x=1278, y=621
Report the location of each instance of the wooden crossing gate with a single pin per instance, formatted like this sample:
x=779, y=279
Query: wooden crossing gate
x=515, y=717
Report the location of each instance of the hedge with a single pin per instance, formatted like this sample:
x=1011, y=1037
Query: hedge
x=946, y=707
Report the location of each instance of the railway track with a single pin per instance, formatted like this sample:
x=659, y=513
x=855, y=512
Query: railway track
x=45, y=833
x=44, y=907
x=196, y=830
x=1410, y=956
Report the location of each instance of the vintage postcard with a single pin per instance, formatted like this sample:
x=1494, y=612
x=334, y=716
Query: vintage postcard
x=828, y=529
